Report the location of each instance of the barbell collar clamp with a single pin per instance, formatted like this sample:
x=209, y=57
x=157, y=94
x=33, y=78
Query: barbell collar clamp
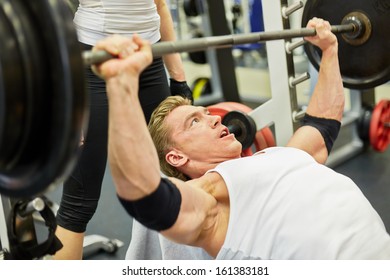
x=363, y=28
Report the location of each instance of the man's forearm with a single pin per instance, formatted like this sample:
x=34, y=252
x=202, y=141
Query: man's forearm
x=327, y=100
x=133, y=158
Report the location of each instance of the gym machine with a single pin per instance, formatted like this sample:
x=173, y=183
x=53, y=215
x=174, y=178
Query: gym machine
x=283, y=112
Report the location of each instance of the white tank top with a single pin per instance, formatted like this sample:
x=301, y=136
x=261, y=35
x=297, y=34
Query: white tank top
x=96, y=19
x=284, y=205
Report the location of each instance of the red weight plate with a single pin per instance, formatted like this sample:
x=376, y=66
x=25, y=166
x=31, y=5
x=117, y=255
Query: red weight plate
x=269, y=137
x=260, y=141
x=379, y=126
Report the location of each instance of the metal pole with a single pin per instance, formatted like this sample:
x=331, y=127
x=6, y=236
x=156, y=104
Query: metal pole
x=223, y=41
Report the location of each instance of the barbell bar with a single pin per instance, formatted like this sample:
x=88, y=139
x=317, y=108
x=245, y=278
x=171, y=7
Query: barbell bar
x=354, y=26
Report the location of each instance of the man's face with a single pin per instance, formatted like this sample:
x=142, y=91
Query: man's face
x=200, y=136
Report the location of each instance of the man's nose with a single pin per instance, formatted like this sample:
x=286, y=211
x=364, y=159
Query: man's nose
x=215, y=120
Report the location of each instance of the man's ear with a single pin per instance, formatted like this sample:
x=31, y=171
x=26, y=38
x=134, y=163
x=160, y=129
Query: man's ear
x=175, y=158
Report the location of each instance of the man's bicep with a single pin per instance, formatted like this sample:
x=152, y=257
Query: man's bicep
x=310, y=140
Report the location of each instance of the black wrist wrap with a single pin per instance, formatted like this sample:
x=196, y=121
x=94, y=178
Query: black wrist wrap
x=328, y=128
x=159, y=210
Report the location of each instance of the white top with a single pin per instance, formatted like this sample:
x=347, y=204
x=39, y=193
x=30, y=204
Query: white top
x=284, y=205
x=96, y=19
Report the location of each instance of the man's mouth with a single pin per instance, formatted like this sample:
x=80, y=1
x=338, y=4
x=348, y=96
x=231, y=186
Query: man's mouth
x=224, y=133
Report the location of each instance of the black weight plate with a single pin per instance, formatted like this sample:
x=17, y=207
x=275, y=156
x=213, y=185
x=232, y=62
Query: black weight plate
x=244, y=125
x=16, y=79
x=198, y=57
x=364, y=124
x=60, y=107
x=190, y=8
x=66, y=91
x=364, y=66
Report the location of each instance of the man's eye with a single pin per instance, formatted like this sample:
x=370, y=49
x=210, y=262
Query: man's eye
x=194, y=121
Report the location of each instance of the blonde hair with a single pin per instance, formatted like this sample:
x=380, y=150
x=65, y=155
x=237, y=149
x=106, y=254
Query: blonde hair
x=160, y=133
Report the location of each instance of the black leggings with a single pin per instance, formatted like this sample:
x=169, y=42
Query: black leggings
x=81, y=191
